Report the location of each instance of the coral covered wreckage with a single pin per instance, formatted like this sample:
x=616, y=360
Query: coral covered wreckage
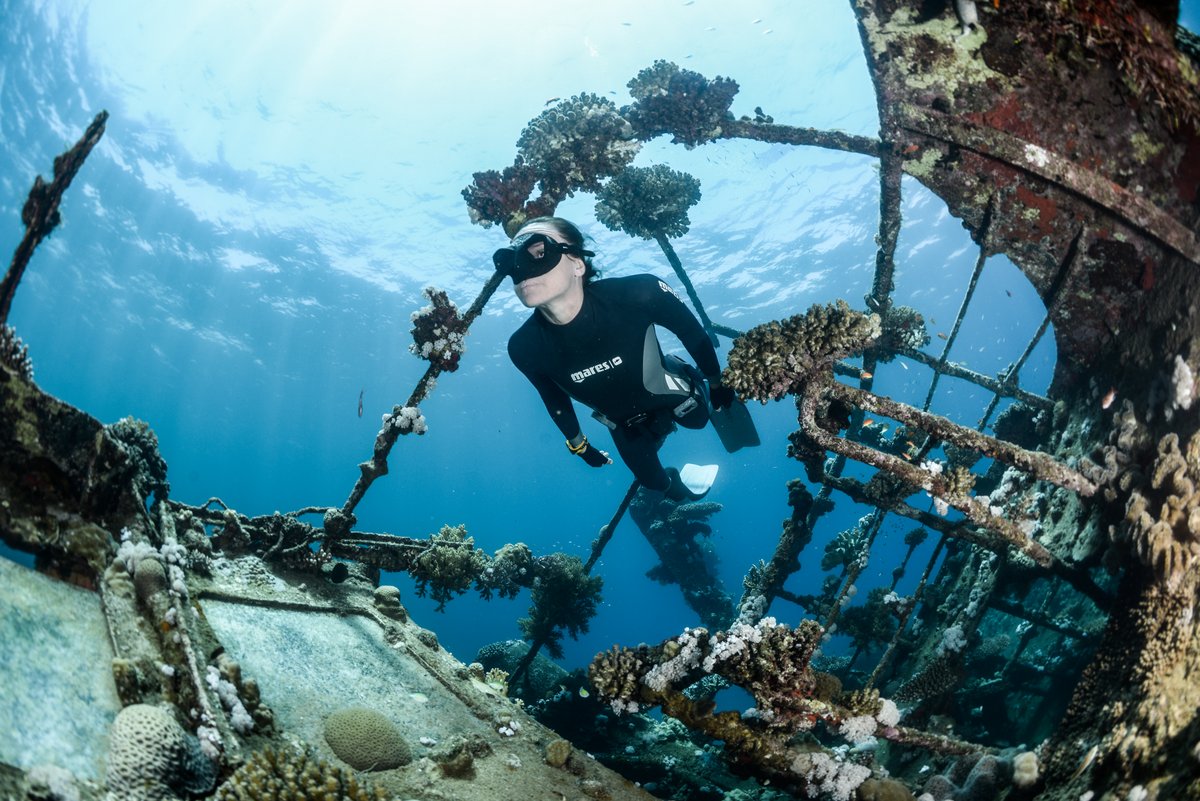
x=1045, y=644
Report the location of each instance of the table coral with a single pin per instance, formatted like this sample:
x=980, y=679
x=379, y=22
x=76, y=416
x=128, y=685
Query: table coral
x=680, y=102
x=577, y=143
x=648, y=201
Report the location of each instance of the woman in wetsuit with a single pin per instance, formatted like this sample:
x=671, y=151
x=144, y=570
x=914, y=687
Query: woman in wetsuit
x=594, y=341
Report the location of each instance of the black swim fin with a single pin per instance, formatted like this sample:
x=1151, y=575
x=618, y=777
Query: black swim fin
x=735, y=427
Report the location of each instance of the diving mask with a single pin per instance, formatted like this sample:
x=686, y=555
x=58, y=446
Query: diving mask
x=531, y=255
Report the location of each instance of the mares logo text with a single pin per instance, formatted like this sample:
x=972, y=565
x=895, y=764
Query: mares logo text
x=596, y=368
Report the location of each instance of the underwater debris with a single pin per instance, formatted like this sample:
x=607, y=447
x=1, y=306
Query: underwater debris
x=771, y=661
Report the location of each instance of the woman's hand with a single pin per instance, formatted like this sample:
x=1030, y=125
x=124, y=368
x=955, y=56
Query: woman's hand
x=594, y=456
x=584, y=450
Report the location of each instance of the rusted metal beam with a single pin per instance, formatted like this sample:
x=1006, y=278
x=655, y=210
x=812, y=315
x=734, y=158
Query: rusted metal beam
x=1035, y=159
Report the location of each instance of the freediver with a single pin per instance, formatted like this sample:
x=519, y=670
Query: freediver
x=594, y=341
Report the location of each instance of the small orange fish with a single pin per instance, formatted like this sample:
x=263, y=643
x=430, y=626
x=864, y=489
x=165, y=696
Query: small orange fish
x=1108, y=398
x=911, y=149
x=941, y=335
x=865, y=374
x=868, y=422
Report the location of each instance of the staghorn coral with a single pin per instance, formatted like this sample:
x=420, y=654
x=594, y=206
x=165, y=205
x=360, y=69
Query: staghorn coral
x=1165, y=525
x=449, y=566
x=648, y=202
x=366, y=740
x=903, y=327
x=778, y=358
x=271, y=775
x=576, y=144
x=438, y=332
x=14, y=353
x=564, y=599
x=680, y=102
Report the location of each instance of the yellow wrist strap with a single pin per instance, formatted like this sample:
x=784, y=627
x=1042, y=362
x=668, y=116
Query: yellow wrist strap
x=580, y=448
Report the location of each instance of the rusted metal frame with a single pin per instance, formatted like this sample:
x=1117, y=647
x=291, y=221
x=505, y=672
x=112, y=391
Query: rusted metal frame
x=984, y=229
x=907, y=614
x=40, y=213
x=1039, y=618
x=936, y=485
x=1038, y=464
x=795, y=135
x=1065, y=270
x=965, y=531
x=851, y=574
x=677, y=266
x=606, y=531
x=1035, y=159
x=956, y=370
x=377, y=465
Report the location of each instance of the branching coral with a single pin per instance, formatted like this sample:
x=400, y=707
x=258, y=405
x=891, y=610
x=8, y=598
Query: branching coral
x=778, y=358
x=848, y=547
x=576, y=144
x=439, y=332
x=449, y=566
x=510, y=570
x=14, y=353
x=680, y=102
x=1165, y=524
x=903, y=327
x=648, y=202
x=271, y=775
x=564, y=600
x=496, y=197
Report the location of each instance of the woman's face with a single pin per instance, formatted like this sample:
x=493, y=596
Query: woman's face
x=555, y=285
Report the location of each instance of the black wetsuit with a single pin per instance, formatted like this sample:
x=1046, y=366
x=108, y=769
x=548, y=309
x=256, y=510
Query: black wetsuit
x=608, y=358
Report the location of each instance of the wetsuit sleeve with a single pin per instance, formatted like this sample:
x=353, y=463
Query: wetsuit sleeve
x=670, y=312
x=558, y=403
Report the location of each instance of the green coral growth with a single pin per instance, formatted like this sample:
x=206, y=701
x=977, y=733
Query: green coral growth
x=778, y=358
x=271, y=775
x=449, y=566
x=648, y=202
x=564, y=599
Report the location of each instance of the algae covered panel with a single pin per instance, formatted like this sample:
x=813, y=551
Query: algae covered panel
x=57, y=699
x=310, y=664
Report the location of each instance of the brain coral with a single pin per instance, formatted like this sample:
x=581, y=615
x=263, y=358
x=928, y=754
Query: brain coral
x=151, y=757
x=366, y=740
x=274, y=776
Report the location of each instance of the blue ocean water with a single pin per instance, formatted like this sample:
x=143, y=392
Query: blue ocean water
x=240, y=256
